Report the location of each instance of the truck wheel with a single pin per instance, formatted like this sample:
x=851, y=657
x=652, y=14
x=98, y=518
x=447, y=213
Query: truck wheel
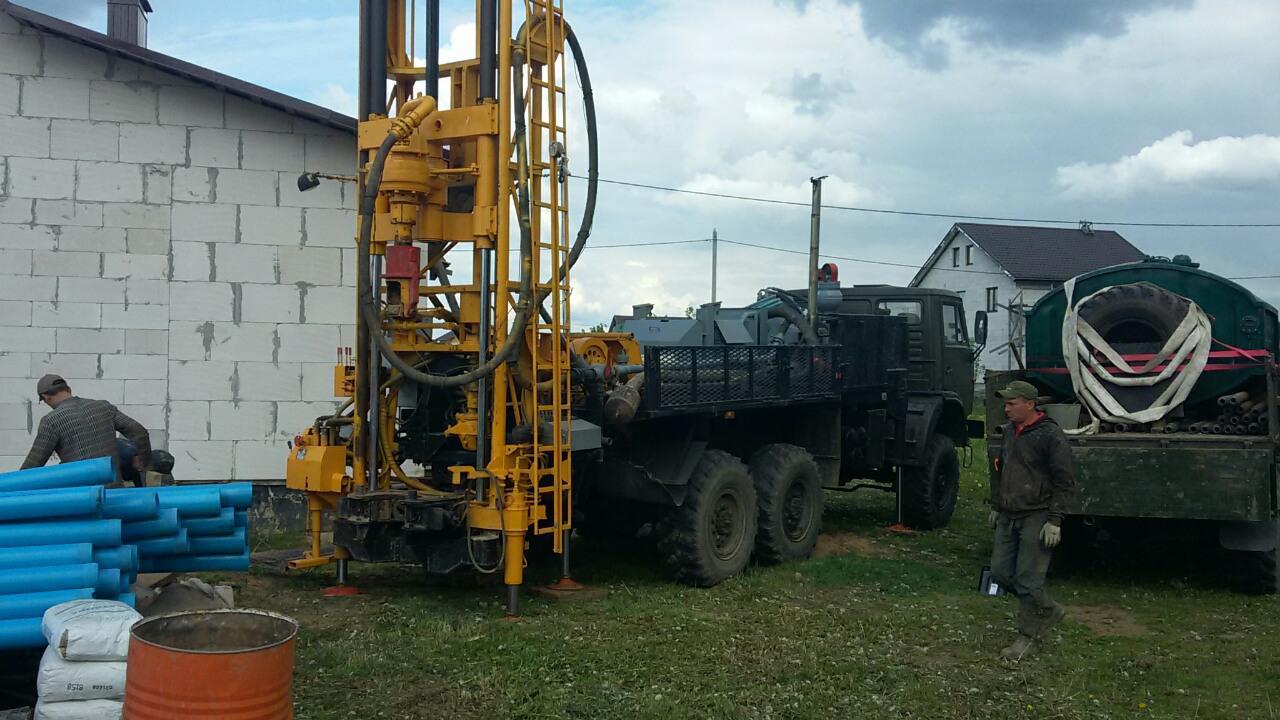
x=789, y=498
x=709, y=538
x=928, y=492
x=1257, y=572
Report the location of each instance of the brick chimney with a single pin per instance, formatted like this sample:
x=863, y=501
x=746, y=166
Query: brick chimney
x=127, y=20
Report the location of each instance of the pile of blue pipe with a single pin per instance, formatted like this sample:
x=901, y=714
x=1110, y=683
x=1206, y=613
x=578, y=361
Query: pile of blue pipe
x=65, y=536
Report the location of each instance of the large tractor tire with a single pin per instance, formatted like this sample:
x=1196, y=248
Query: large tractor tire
x=709, y=538
x=789, y=500
x=928, y=492
x=1135, y=313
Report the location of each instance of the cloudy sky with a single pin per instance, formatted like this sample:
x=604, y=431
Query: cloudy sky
x=1105, y=110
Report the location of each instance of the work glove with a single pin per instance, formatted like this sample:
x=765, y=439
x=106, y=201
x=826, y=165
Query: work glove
x=1050, y=535
x=993, y=518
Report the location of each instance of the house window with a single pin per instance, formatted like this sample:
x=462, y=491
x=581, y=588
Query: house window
x=992, y=300
x=955, y=257
x=968, y=255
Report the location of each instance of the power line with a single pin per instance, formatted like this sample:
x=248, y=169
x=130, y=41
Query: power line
x=858, y=260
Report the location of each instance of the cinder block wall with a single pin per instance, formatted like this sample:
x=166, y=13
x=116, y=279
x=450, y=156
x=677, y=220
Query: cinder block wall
x=155, y=251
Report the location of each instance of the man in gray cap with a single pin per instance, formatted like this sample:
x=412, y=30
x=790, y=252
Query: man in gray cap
x=82, y=429
x=1031, y=491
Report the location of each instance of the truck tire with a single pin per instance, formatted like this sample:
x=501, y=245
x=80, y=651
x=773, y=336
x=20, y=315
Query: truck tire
x=789, y=500
x=709, y=538
x=928, y=492
x=1257, y=572
x=1137, y=312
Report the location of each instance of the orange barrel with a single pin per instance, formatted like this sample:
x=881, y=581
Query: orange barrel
x=229, y=664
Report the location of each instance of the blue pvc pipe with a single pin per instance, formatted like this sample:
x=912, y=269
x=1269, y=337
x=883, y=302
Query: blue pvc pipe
x=101, y=533
x=128, y=598
x=242, y=518
x=165, y=523
x=21, y=633
x=197, y=563
x=123, y=558
x=175, y=544
x=219, y=545
x=135, y=506
x=98, y=471
x=57, y=577
x=221, y=525
x=56, y=502
x=46, y=555
x=25, y=605
x=207, y=503
x=126, y=583
x=238, y=495
x=108, y=584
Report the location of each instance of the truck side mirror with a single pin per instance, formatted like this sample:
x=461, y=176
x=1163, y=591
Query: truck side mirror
x=980, y=328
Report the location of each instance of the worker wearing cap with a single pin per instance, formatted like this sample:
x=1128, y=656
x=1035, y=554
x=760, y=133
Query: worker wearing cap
x=1030, y=493
x=82, y=429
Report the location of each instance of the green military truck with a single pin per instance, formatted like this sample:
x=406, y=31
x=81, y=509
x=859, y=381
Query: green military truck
x=1168, y=393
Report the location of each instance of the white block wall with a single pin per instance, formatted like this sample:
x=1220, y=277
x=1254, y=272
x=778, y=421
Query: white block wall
x=155, y=251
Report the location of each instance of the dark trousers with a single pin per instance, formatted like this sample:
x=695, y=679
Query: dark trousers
x=1019, y=561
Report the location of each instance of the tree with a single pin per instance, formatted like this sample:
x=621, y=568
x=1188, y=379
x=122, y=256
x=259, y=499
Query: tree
x=688, y=311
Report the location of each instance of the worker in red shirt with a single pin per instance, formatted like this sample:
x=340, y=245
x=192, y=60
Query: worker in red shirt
x=1030, y=493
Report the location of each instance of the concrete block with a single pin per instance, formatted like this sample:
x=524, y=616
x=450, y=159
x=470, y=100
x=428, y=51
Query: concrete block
x=55, y=97
x=34, y=178
x=68, y=212
x=143, y=241
x=246, y=115
x=333, y=154
x=10, y=87
x=102, y=342
x=17, y=287
x=145, y=317
x=204, y=223
x=189, y=340
x=188, y=420
x=308, y=344
x=327, y=227
x=25, y=137
x=247, y=187
x=20, y=55
x=71, y=367
x=109, y=182
x=145, y=291
x=192, y=260
x=269, y=381
x=110, y=390
x=126, y=265
x=15, y=313
x=9, y=26
x=198, y=460
x=16, y=391
x=157, y=184
x=27, y=339
x=91, y=239
x=84, y=140
x=151, y=416
x=27, y=237
x=96, y=290
x=328, y=194
x=194, y=184
x=15, y=444
x=335, y=305
x=146, y=342
x=66, y=264
x=245, y=263
x=201, y=301
x=122, y=102
x=134, y=215
x=314, y=266
x=246, y=420
x=271, y=151
x=269, y=303
x=135, y=367
x=261, y=225
x=200, y=380
x=146, y=392
x=66, y=314
x=349, y=267
x=317, y=378
x=260, y=460
x=161, y=144
x=213, y=147
x=16, y=210
x=13, y=365
x=63, y=58
x=194, y=105
x=15, y=262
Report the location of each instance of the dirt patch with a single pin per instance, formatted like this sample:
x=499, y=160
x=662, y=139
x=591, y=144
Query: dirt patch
x=830, y=544
x=1106, y=620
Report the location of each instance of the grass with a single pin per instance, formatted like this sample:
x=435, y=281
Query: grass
x=893, y=629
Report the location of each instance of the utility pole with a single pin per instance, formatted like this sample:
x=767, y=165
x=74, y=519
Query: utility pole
x=715, y=238
x=815, y=220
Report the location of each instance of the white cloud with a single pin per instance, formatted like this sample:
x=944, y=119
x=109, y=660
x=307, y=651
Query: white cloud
x=336, y=98
x=1177, y=160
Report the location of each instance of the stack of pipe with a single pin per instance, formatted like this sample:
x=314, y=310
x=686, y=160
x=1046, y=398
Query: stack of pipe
x=64, y=536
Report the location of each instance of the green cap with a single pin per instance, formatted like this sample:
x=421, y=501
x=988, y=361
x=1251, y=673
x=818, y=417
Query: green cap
x=1019, y=389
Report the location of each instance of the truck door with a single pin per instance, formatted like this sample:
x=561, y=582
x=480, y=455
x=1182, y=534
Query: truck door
x=922, y=356
x=957, y=357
